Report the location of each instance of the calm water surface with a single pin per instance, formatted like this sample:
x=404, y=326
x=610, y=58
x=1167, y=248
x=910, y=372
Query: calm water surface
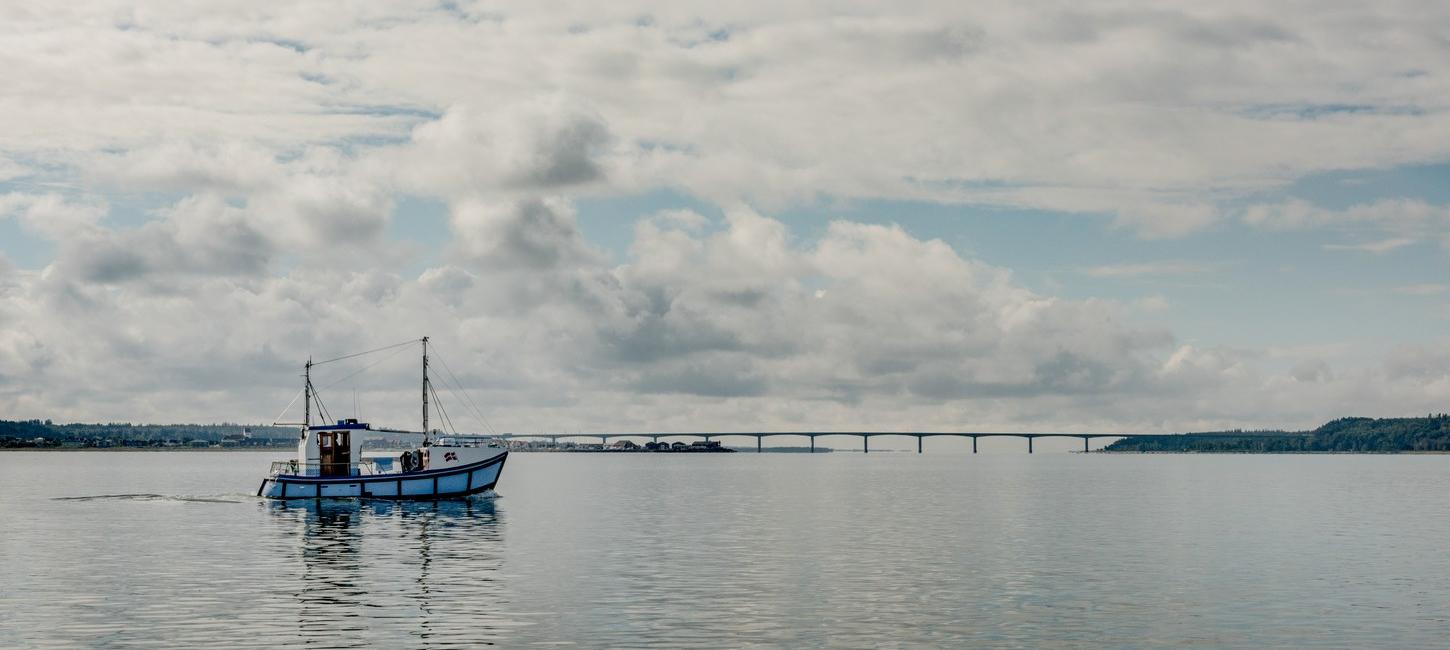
x=830, y=550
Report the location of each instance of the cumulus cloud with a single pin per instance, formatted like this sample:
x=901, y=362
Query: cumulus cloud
x=946, y=102
x=201, y=235
x=732, y=327
x=229, y=167
x=323, y=210
x=529, y=234
x=51, y=215
x=278, y=139
x=842, y=319
x=542, y=146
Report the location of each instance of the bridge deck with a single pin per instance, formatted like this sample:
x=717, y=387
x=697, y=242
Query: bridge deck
x=865, y=436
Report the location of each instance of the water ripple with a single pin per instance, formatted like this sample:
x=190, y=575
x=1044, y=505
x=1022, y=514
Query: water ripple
x=740, y=551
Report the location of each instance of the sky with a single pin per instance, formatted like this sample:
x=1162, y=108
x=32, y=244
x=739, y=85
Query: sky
x=987, y=216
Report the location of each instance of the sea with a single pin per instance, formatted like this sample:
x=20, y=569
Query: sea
x=838, y=550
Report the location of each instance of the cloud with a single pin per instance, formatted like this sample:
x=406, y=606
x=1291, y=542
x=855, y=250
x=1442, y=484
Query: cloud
x=1407, y=215
x=207, y=234
x=1377, y=247
x=229, y=167
x=1152, y=304
x=739, y=326
x=844, y=318
x=315, y=210
x=1421, y=362
x=1148, y=269
x=1163, y=221
x=952, y=103
x=9, y=169
x=51, y=215
x=198, y=236
x=1398, y=223
x=1427, y=289
x=279, y=140
x=541, y=146
x=529, y=234
x=1311, y=370
x=744, y=312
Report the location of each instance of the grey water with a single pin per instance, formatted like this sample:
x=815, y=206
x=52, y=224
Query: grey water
x=158, y=549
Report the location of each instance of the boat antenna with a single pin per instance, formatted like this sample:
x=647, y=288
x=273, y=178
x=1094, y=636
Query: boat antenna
x=425, y=391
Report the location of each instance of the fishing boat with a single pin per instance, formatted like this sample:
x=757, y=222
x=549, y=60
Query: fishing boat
x=326, y=466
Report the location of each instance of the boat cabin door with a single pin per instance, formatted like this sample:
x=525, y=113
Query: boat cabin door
x=334, y=453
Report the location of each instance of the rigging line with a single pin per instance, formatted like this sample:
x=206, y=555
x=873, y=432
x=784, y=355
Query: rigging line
x=289, y=405
x=446, y=418
x=364, y=368
x=358, y=354
x=320, y=406
x=463, y=399
x=439, y=403
x=486, y=425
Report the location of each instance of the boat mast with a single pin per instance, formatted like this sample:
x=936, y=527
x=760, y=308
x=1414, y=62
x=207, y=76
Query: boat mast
x=307, y=398
x=425, y=391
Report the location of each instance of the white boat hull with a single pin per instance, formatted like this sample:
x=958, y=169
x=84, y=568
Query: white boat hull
x=441, y=483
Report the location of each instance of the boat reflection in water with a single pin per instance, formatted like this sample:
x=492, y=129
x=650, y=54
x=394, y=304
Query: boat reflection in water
x=397, y=574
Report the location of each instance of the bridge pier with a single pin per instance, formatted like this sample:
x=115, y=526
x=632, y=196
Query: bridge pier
x=813, y=444
x=918, y=444
x=757, y=443
x=865, y=444
x=1085, y=445
x=974, y=444
x=1029, y=444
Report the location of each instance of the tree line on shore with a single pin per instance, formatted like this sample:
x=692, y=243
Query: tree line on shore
x=47, y=434
x=1365, y=435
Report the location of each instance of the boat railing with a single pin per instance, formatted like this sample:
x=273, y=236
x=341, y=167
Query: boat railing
x=294, y=468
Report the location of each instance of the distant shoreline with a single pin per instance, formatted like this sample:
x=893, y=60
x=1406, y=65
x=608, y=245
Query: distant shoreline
x=1417, y=435
x=1429, y=434
x=293, y=448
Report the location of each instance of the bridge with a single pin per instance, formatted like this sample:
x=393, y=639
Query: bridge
x=866, y=436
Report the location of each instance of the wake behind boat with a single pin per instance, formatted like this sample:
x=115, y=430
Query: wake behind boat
x=326, y=466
